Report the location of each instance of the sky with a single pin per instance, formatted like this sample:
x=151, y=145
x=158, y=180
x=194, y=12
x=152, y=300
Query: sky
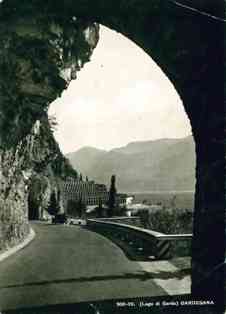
x=120, y=96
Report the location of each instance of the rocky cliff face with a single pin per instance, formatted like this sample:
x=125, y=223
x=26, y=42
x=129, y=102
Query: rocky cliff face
x=39, y=55
x=49, y=169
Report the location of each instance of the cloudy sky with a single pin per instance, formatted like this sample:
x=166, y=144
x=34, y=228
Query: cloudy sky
x=118, y=97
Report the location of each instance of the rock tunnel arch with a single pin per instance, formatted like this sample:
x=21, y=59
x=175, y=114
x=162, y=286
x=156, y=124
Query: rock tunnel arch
x=187, y=45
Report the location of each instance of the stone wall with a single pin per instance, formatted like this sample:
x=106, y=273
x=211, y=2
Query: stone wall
x=14, y=191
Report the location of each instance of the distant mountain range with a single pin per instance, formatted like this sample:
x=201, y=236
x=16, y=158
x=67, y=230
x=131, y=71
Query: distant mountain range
x=165, y=164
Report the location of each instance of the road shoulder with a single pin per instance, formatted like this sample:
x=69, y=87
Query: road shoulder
x=18, y=247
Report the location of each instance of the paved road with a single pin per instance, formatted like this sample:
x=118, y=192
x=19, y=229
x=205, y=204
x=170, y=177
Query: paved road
x=67, y=264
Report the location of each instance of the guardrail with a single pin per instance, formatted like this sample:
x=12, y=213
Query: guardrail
x=132, y=220
x=149, y=242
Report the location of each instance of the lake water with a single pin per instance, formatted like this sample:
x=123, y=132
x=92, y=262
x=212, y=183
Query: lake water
x=176, y=199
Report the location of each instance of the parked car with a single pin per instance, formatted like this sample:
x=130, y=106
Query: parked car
x=74, y=221
x=60, y=219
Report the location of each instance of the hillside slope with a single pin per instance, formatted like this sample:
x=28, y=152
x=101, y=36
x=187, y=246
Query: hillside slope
x=167, y=164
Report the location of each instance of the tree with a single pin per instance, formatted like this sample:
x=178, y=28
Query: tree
x=81, y=208
x=53, y=207
x=71, y=207
x=112, y=197
x=99, y=209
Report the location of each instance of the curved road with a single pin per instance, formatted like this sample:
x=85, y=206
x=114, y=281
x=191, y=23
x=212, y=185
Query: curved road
x=67, y=264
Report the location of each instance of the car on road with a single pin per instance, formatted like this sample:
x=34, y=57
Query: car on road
x=59, y=218
x=76, y=221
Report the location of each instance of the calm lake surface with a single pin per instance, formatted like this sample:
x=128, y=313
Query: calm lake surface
x=177, y=199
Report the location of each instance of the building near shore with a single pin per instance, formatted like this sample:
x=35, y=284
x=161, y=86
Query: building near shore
x=88, y=193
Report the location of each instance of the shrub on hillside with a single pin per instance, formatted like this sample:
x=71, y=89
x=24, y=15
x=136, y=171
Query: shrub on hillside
x=168, y=220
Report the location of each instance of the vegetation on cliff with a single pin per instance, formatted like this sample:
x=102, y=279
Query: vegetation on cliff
x=33, y=62
x=39, y=55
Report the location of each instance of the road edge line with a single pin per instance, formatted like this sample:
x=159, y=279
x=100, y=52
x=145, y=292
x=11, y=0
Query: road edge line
x=30, y=237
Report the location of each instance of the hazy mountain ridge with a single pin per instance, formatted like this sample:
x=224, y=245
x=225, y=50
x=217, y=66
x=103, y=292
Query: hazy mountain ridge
x=145, y=146
x=167, y=164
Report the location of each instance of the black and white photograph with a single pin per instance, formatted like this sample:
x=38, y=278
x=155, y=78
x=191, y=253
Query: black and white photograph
x=112, y=156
